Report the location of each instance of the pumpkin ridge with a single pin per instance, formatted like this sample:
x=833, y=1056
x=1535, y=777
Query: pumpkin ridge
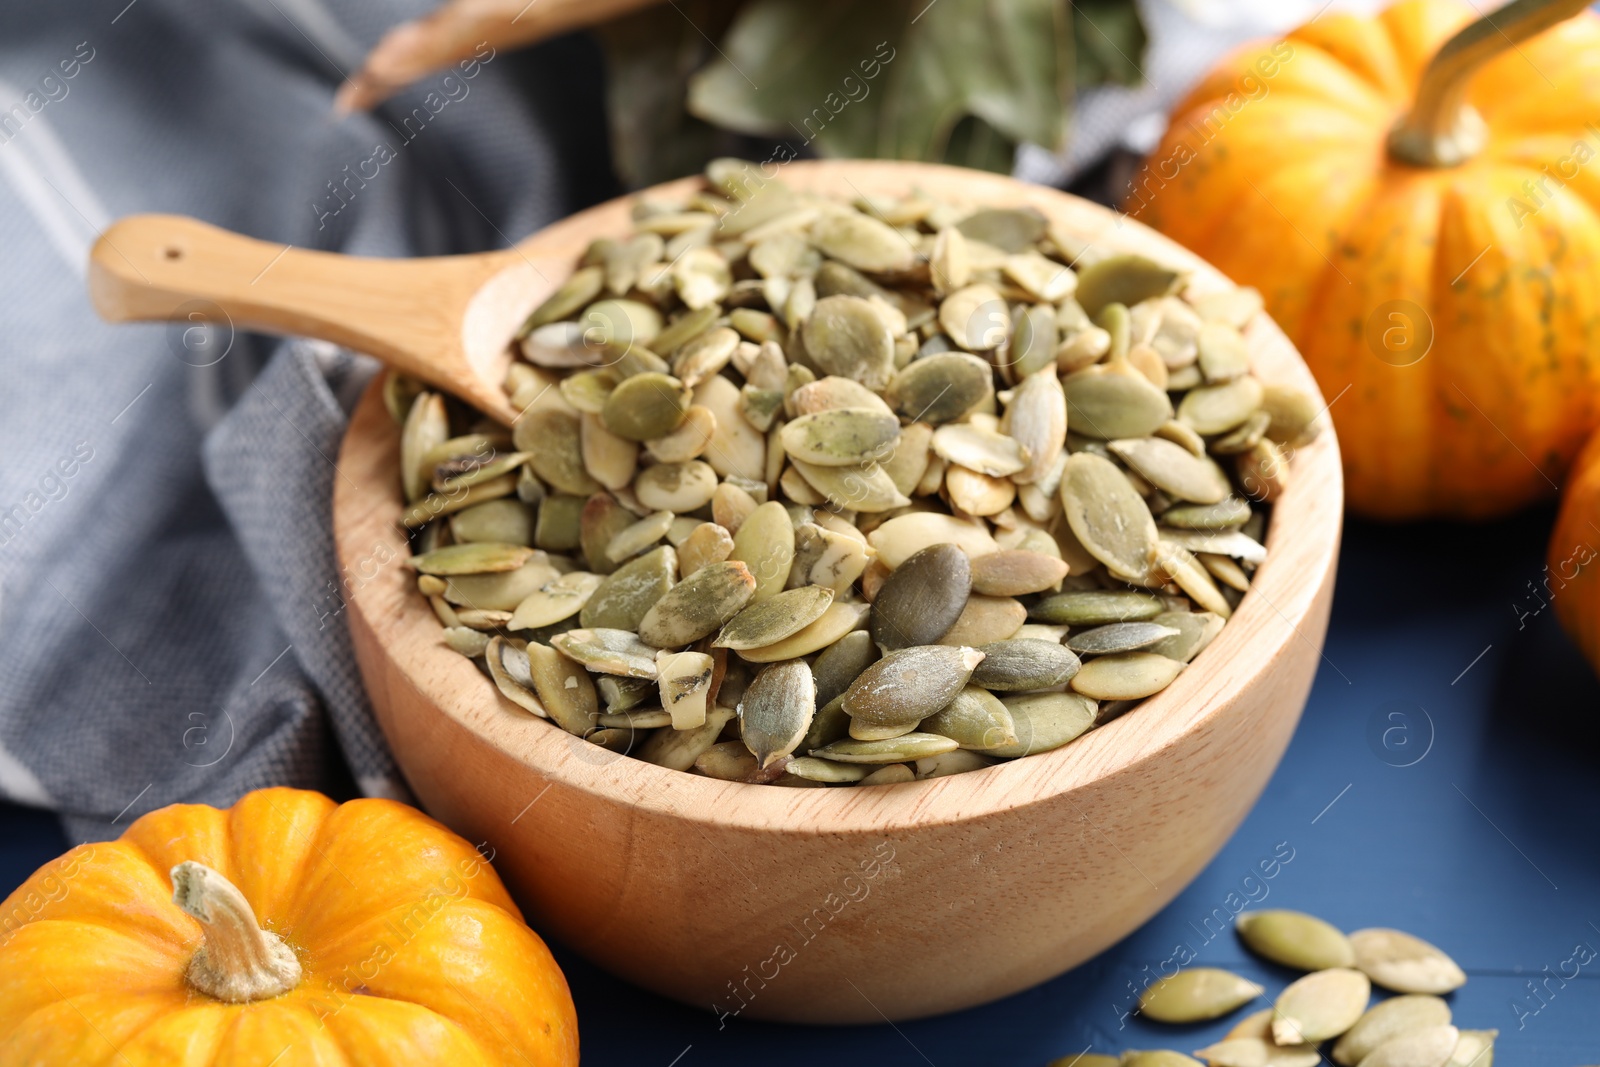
x=387, y=919
x=115, y=1050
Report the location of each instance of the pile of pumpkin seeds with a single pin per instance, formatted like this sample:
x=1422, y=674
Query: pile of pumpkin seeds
x=810, y=493
x=1327, y=1007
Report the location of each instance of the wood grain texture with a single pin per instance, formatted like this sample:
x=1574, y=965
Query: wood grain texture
x=848, y=905
x=444, y=320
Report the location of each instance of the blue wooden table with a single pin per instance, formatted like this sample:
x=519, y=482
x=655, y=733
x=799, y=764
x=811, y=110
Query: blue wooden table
x=1445, y=780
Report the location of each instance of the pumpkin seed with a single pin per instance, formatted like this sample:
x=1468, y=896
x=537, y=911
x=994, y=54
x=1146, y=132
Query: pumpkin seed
x=985, y=620
x=1214, y=409
x=765, y=542
x=705, y=355
x=909, y=684
x=815, y=769
x=1405, y=964
x=833, y=392
x=564, y=689
x=678, y=749
x=906, y=747
x=922, y=598
x=1195, y=631
x=1292, y=414
x=1196, y=994
x=1045, y=721
x=1124, y=278
x=975, y=318
x=895, y=773
x=862, y=242
x=730, y=761
x=684, y=682
x=1222, y=352
x=574, y=293
x=975, y=719
x=1107, y=403
x=634, y=539
x=646, y=406
x=1295, y=939
x=1107, y=515
x=1085, y=1059
x=502, y=591
x=1234, y=543
x=1016, y=572
x=1023, y=664
x=846, y=336
x=506, y=520
x=1321, y=1005
x=709, y=543
x=676, y=487
x=508, y=668
x=1233, y=306
x=1119, y=637
x=768, y=621
x=699, y=604
x=776, y=710
x=858, y=488
x=1258, y=1052
x=1125, y=676
x=978, y=449
x=841, y=437
x=477, y=558
x=1225, y=514
x=623, y=598
x=841, y=617
x=1431, y=1046
x=940, y=388
x=426, y=427
x=1173, y=469
x=608, y=651
x=1474, y=1048
x=898, y=539
x=558, y=599
x=1157, y=1058
x=1096, y=607
x=1387, y=1020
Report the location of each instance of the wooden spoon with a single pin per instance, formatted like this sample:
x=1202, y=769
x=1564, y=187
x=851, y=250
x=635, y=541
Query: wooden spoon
x=446, y=320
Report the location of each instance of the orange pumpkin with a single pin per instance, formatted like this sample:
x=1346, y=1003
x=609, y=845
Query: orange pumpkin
x=387, y=940
x=1426, y=233
x=1572, y=571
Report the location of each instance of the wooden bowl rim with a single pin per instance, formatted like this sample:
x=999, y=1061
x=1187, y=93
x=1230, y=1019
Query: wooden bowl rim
x=365, y=516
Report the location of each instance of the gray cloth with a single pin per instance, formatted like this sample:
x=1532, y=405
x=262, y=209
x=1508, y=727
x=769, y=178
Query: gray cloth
x=170, y=628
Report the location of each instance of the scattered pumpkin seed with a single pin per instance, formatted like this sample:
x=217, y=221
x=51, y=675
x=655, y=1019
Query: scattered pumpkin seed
x=1295, y=939
x=776, y=710
x=1196, y=994
x=1321, y=1005
x=1405, y=964
x=684, y=680
x=1125, y=676
x=1387, y=1020
x=909, y=684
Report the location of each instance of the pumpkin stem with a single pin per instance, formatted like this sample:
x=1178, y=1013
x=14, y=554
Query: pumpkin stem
x=1443, y=130
x=239, y=961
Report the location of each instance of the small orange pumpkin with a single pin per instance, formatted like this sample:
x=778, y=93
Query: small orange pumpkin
x=1426, y=232
x=1572, y=571
x=382, y=939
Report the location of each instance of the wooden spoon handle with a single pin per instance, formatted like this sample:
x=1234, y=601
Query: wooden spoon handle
x=406, y=312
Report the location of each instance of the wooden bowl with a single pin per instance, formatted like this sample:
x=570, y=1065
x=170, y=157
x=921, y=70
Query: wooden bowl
x=849, y=905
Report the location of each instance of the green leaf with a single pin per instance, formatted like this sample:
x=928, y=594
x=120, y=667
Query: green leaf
x=650, y=56
x=891, y=78
x=1110, y=42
